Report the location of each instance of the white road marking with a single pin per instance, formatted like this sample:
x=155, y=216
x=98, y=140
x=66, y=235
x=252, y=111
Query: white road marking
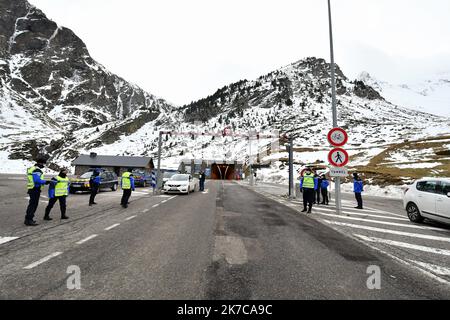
x=164, y=201
x=112, y=227
x=155, y=205
x=45, y=259
x=144, y=211
x=382, y=230
x=364, y=214
x=405, y=245
x=442, y=271
x=172, y=198
x=381, y=222
x=44, y=201
x=139, y=192
x=429, y=274
x=7, y=239
x=17, y=179
x=129, y=218
x=86, y=239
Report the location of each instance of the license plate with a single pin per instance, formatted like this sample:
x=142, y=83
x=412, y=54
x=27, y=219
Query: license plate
x=173, y=189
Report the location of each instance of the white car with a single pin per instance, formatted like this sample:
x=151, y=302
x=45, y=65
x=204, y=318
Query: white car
x=428, y=198
x=181, y=183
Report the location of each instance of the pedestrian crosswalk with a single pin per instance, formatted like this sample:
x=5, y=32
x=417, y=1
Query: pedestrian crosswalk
x=425, y=248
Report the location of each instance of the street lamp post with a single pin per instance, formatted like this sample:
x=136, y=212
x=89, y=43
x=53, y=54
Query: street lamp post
x=333, y=106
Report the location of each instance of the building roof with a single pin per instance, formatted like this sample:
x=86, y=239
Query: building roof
x=112, y=161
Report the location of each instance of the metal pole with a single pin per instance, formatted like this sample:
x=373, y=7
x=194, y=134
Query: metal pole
x=291, y=167
x=333, y=105
x=158, y=172
x=250, y=159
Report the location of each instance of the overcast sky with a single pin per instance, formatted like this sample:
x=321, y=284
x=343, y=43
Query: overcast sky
x=182, y=50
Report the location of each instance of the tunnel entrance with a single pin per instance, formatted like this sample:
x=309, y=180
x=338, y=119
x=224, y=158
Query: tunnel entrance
x=222, y=171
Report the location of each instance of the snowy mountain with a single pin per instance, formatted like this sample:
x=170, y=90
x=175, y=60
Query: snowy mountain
x=52, y=90
x=55, y=98
x=430, y=94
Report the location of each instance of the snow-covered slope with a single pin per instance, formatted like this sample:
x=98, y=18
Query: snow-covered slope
x=431, y=94
x=52, y=91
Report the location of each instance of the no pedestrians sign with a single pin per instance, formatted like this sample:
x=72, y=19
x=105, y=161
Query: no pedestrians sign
x=338, y=157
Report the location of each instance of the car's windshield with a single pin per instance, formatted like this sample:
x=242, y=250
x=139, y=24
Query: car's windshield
x=168, y=174
x=86, y=175
x=180, y=177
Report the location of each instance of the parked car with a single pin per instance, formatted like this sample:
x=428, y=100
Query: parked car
x=181, y=183
x=141, y=179
x=428, y=198
x=167, y=175
x=108, y=181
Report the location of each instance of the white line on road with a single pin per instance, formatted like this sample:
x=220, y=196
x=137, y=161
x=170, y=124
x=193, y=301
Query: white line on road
x=404, y=245
x=7, y=239
x=427, y=273
x=164, y=201
x=172, y=198
x=44, y=201
x=400, y=233
x=363, y=214
x=144, y=211
x=86, y=239
x=155, y=205
x=45, y=259
x=129, y=218
x=112, y=227
x=442, y=271
x=381, y=222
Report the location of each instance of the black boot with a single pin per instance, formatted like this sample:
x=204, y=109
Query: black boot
x=47, y=217
x=31, y=223
x=64, y=217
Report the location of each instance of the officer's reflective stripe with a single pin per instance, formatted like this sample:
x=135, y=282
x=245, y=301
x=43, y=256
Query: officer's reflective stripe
x=308, y=181
x=61, y=187
x=126, y=183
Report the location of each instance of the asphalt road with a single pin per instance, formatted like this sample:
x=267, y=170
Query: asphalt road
x=229, y=242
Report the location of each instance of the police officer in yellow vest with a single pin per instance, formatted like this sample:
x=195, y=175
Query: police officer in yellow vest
x=58, y=191
x=35, y=184
x=127, y=184
x=308, y=185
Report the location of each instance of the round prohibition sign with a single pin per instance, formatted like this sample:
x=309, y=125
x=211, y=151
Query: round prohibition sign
x=337, y=137
x=338, y=157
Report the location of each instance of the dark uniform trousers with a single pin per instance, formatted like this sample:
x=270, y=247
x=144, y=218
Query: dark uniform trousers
x=33, y=203
x=308, y=197
x=359, y=199
x=62, y=205
x=94, y=191
x=324, y=195
x=125, y=197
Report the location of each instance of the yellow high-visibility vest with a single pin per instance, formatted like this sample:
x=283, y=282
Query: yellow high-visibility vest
x=126, y=183
x=308, y=181
x=61, y=188
x=30, y=182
